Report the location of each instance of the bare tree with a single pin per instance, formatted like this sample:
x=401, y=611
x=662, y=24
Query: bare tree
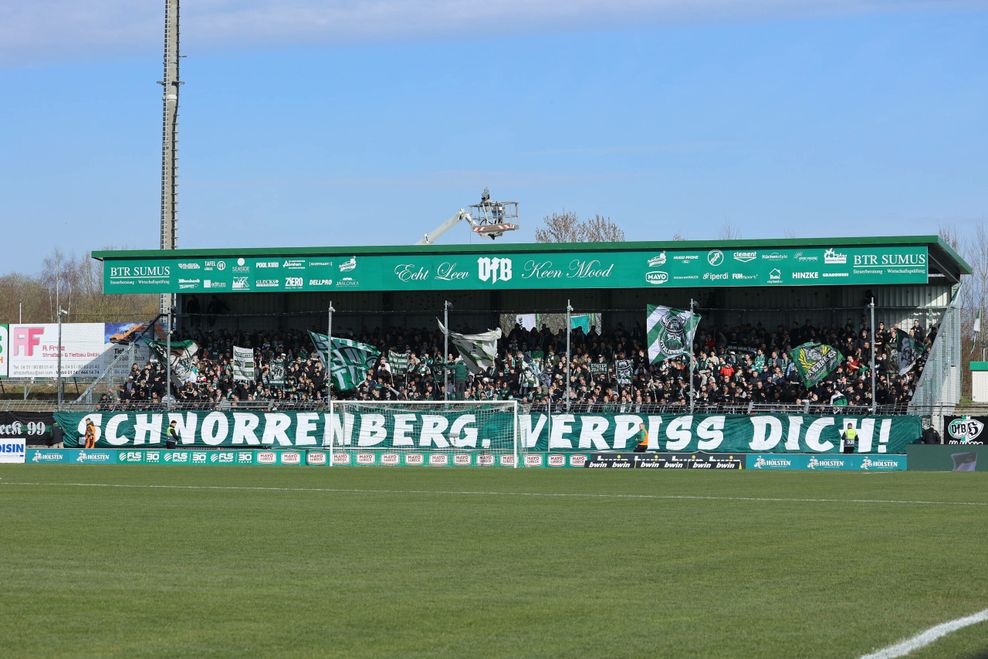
x=974, y=291
x=559, y=228
x=678, y=236
x=729, y=232
x=600, y=229
x=78, y=282
x=567, y=227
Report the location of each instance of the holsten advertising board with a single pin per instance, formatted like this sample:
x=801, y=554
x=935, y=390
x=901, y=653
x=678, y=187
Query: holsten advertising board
x=767, y=433
x=88, y=349
x=530, y=270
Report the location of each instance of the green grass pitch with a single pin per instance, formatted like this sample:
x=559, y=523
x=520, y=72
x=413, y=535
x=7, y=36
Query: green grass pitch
x=118, y=561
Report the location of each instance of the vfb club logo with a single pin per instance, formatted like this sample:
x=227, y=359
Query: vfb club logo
x=494, y=269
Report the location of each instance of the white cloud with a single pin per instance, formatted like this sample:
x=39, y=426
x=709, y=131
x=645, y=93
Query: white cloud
x=47, y=29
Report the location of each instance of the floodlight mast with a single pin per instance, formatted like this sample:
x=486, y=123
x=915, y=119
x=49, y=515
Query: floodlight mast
x=488, y=218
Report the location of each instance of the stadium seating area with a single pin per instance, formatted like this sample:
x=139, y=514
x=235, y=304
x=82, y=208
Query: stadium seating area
x=735, y=366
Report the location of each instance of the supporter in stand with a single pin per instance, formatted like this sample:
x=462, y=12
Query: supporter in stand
x=734, y=367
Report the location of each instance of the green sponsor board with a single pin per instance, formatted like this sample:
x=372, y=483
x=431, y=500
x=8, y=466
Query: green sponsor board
x=840, y=462
x=947, y=457
x=811, y=266
x=492, y=431
x=310, y=458
x=71, y=456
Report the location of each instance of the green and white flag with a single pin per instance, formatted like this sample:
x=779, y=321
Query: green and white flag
x=670, y=332
x=351, y=360
x=623, y=370
x=909, y=350
x=181, y=360
x=398, y=360
x=478, y=350
x=276, y=373
x=815, y=361
x=243, y=364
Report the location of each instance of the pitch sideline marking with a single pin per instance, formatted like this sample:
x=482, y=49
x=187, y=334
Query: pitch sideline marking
x=587, y=495
x=924, y=638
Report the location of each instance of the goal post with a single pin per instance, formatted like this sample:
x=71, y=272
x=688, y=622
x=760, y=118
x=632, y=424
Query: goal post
x=455, y=433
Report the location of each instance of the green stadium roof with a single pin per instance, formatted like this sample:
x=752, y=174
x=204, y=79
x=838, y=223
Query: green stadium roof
x=941, y=253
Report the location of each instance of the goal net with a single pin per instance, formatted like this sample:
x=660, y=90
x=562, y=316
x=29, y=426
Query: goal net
x=454, y=433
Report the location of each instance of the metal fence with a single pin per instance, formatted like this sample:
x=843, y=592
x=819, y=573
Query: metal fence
x=555, y=408
x=939, y=388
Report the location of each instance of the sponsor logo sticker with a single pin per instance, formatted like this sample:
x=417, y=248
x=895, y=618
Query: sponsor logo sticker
x=461, y=459
x=267, y=457
x=659, y=259
x=365, y=458
x=656, y=277
x=745, y=257
x=494, y=269
x=389, y=459
x=414, y=459
x=438, y=459
x=833, y=257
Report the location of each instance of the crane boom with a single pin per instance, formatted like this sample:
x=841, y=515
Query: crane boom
x=490, y=218
x=430, y=238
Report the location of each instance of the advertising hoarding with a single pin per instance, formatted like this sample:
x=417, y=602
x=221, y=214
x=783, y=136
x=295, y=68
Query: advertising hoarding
x=657, y=269
x=88, y=349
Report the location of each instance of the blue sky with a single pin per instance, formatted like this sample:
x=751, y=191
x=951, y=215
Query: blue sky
x=309, y=123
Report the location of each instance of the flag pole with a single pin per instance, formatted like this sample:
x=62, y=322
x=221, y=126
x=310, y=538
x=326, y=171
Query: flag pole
x=874, y=401
x=329, y=354
x=168, y=360
x=58, y=379
x=569, y=310
x=446, y=350
x=692, y=365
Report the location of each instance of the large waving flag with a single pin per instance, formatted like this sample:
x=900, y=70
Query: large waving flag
x=670, y=332
x=909, y=349
x=478, y=350
x=351, y=360
x=815, y=361
x=181, y=360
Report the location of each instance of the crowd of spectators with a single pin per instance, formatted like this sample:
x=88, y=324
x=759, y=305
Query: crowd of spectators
x=734, y=366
